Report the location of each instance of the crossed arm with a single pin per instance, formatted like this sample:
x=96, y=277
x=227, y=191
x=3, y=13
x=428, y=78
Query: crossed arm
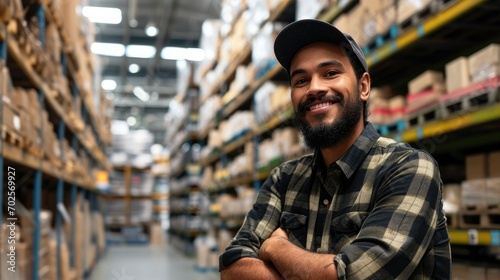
x=280, y=259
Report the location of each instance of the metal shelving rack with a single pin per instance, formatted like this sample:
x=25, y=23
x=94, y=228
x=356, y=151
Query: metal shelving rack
x=43, y=167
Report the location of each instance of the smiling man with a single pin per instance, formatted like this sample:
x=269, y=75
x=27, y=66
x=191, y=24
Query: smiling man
x=362, y=206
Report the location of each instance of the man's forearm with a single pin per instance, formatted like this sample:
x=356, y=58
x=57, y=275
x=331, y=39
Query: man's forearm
x=293, y=262
x=250, y=268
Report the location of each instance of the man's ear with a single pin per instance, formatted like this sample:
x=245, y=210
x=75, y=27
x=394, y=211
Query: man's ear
x=364, y=86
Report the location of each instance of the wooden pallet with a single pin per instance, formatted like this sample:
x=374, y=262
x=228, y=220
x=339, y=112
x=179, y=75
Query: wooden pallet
x=423, y=116
x=486, y=218
x=34, y=150
x=470, y=102
x=13, y=137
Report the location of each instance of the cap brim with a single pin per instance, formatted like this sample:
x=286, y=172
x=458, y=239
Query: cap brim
x=298, y=34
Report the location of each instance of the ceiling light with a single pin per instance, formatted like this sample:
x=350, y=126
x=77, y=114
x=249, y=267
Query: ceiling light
x=108, y=84
x=174, y=53
x=140, y=51
x=119, y=127
x=195, y=54
x=131, y=121
x=134, y=68
x=102, y=14
x=133, y=23
x=151, y=30
x=140, y=93
x=108, y=49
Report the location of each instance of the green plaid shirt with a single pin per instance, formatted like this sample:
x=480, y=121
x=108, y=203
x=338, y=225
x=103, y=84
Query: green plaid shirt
x=378, y=208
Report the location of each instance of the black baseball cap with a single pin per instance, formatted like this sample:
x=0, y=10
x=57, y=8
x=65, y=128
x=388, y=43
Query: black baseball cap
x=298, y=34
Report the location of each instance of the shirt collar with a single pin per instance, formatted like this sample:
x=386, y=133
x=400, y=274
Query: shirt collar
x=351, y=160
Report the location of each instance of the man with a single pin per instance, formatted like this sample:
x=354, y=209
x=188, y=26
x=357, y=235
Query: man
x=362, y=206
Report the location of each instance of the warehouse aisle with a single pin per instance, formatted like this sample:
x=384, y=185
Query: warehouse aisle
x=147, y=263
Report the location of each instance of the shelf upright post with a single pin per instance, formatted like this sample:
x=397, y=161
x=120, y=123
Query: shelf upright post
x=256, y=141
x=37, y=187
x=74, y=190
x=60, y=201
x=37, y=200
x=3, y=56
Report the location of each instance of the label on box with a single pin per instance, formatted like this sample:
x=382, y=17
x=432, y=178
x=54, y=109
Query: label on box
x=473, y=237
x=17, y=122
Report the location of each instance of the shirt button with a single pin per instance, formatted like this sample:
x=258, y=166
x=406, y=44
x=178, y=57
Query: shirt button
x=325, y=202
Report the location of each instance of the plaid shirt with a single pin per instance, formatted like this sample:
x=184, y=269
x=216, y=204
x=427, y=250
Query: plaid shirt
x=378, y=209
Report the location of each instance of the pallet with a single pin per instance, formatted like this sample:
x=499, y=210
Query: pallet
x=423, y=116
x=33, y=150
x=414, y=20
x=13, y=137
x=386, y=129
x=486, y=218
x=469, y=102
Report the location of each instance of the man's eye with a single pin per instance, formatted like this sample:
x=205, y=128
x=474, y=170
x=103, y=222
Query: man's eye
x=331, y=73
x=300, y=81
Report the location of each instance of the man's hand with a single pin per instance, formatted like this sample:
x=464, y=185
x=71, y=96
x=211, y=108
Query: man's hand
x=277, y=236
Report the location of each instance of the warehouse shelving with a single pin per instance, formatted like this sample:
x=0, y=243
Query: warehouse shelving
x=78, y=186
x=404, y=55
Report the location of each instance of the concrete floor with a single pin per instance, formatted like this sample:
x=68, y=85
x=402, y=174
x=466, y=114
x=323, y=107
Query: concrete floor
x=145, y=262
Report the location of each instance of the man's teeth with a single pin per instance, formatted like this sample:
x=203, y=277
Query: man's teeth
x=317, y=106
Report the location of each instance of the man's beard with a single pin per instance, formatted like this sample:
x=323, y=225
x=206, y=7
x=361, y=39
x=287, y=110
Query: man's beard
x=327, y=135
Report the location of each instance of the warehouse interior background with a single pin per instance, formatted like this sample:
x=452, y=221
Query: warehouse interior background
x=136, y=134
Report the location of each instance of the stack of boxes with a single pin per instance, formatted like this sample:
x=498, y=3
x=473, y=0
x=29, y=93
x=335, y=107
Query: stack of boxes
x=480, y=194
x=485, y=63
x=385, y=106
x=425, y=91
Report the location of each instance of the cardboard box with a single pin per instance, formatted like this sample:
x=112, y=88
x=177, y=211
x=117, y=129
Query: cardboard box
x=20, y=99
x=474, y=194
x=457, y=74
x=459, y=271
x=475, y=166
x=483, y=58
x=452, y=198
x=11, y=117
x=487, y=72
x=493, y=164
x=476, y=273
x=492, y=273
x=493, y=193
x=425, y=81
x=385, y=92
x=407, y=8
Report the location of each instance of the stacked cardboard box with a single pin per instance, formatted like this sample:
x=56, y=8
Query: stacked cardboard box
x=457, y=74
x=485, y=63
x=425, y=90
x=407, y=8
x=385, y=106
x=367, y=20
x=270, y=98
x=481, y=189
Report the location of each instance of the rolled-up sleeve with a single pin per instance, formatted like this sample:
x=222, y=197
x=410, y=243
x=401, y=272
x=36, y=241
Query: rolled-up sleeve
x=399, y=230
x=258, y=225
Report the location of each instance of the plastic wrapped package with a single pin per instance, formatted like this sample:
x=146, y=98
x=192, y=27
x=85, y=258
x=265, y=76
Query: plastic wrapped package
x=263, y=57
x=229, y=13
x=243, y=77
x=208, y=110
x=237, y=124
x=210, y=43
x=262, y=101
x=258, y=12
x=310, y=8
